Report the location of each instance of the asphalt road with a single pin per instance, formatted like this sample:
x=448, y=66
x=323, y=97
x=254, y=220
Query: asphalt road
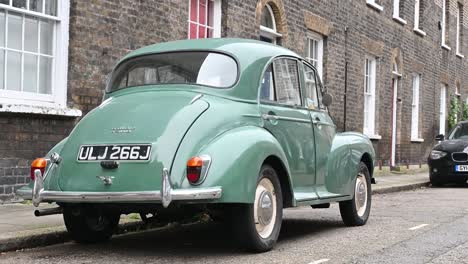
x=423, y=226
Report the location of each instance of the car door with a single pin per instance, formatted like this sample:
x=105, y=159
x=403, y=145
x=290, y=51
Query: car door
x=324, y=132
x=288, y=120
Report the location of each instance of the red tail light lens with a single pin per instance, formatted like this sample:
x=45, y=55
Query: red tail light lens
x=38, y=164
x=197, y=168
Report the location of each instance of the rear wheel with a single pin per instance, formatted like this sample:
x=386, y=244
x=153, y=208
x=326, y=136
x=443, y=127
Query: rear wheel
x=355, y=212
x=90, y=225
x=257, y=225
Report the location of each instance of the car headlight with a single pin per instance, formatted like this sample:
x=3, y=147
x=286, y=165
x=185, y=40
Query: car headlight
x=437, y=154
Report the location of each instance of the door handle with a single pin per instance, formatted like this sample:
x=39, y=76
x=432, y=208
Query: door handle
x=269, y=117
x=316, y=120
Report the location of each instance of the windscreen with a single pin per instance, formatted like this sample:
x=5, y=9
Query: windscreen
x=203, y=68
x=459, y=132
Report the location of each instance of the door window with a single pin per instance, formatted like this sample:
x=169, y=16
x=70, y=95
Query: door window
x=312, y=93
x=286, y=81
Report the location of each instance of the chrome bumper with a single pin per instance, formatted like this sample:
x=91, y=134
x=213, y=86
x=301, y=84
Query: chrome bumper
x=165, y=195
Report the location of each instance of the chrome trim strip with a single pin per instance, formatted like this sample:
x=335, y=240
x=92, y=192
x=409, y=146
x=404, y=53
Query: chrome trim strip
x=249, y=115
x=285, y=118
x=320, y=123
x=196, y=98
x=294, y=119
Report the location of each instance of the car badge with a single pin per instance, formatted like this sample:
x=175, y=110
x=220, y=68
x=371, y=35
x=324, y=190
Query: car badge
x=107, y=180
x=119, y=130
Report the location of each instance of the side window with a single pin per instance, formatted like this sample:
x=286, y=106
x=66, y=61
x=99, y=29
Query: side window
x=312, y=90
x=286, y=79
x=267, y=92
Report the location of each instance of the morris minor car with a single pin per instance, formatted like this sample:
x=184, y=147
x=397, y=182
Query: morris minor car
x=236, y=127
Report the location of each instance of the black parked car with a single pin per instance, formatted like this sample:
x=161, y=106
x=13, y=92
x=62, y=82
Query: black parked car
x=448, y=161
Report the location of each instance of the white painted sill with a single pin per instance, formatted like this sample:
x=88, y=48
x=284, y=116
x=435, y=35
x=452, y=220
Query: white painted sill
x=39, y=110
x=417, y=140
x=374, y=137
x=446, y=47
x=375, y=6
x=460, y=55
x=419, y=32
x=400, y=20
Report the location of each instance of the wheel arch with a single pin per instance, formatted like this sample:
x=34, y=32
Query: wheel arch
x=367, y=159
x=283, y=177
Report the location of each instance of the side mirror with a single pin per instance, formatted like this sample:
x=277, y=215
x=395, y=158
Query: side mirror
x=327, y=99
x=440, y=137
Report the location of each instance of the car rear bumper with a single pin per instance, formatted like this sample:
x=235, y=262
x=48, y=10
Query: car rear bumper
x=164, y=196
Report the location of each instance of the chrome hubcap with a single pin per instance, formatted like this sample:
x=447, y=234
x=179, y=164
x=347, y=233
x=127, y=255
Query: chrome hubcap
x=360, y=194
x=265, y=208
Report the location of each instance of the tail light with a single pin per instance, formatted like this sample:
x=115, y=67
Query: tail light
x=38, y=164
x=197, y=168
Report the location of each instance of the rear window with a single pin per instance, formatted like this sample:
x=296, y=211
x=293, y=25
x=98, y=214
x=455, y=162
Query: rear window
x=203, y=68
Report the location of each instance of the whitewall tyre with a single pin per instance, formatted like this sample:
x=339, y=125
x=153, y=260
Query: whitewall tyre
x=257, y=225
x=355, y=212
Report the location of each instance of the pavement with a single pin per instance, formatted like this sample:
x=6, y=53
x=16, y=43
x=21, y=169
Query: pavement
x=20, y=229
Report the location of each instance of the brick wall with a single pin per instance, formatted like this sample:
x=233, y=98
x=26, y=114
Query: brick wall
x=352, y=31
x=22, y=139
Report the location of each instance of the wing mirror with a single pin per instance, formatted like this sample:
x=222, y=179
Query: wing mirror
x=440, y=137
x=327, y=99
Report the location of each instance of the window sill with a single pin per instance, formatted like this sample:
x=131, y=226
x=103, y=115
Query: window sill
x=400, y=20
x=460, y=55
x=417, y=140
x=375, y=6
x=39, y=110
x=446, y=47
x=419, y=32
x=374, y=137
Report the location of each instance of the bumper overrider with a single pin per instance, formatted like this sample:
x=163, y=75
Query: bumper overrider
x=165, y=196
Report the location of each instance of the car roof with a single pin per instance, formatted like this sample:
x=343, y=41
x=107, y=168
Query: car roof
x=234, y=46
x=251, y=55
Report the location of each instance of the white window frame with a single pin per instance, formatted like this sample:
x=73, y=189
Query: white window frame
x=417, y=10
x=443, y=22
x=370, y=82
x=217, y=14
x=318, y=60
x=270, y=33
x=56, y=103
x=396, y=12
x=415, y=109
x=442, y=108
x=375, y=5
x=459, y=30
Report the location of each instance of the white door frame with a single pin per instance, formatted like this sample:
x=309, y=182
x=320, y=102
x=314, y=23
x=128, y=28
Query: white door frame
x=443, y=108
x=394, y=121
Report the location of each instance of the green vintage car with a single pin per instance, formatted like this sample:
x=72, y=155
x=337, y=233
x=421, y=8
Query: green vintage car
x=237, y=128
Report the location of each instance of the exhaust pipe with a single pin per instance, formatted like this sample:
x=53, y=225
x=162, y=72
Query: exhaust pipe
x=48, y=211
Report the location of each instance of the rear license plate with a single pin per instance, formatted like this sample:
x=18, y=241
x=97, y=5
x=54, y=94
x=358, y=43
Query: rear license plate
x=114, y=152
x=460, y=168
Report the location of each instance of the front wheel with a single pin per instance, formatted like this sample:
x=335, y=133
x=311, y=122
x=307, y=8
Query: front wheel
x=89, y=225
x=257, y=226
x=355, y=212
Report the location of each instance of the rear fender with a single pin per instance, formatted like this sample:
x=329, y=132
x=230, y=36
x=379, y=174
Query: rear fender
x=237, y=156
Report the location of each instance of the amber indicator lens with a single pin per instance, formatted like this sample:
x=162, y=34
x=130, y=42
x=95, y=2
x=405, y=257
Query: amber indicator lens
x=194, y=168
x=38, y=164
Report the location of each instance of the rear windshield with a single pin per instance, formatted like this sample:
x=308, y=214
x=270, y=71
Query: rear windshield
x=204, y=68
